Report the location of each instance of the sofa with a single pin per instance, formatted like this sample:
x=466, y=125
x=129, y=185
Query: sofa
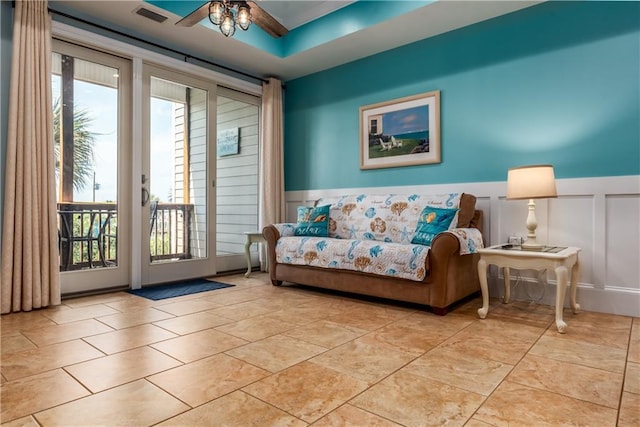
x=412, y=248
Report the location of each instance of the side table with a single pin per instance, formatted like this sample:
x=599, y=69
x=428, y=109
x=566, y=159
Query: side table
x=561, y=259
x=252, y=237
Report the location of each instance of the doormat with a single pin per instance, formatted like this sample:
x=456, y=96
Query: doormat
x=171, y=290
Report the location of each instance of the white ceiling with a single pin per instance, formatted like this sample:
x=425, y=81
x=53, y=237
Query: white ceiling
x=200, y=41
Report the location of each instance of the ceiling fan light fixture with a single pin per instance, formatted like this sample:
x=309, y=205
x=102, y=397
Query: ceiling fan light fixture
x=217, y=10
x=228, y=24
x=243, y=18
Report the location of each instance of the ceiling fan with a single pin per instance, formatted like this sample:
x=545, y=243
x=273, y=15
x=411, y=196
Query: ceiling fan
x=228, y=14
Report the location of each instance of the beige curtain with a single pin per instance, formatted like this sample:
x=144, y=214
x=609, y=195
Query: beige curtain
x=272, y=206
x=30, y=276
x=272, y=155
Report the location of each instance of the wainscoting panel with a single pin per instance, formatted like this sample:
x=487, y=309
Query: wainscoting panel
x=599, y=215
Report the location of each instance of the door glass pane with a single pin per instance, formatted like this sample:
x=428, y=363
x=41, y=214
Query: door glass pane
x=178, y=169
x=237, y=175
x=85, y=107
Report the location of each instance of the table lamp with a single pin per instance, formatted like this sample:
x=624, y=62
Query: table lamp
x=531, y=182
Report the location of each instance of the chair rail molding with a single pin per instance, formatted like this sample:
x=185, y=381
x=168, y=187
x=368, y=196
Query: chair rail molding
x=599, y=215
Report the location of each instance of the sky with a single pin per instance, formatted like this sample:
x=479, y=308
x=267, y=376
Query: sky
x=101, y=104
x=414, y=119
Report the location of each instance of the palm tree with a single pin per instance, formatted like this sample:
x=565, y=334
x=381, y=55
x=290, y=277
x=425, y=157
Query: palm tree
x=83, y=142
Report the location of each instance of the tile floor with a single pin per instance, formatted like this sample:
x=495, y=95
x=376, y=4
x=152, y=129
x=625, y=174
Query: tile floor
x=258, y=355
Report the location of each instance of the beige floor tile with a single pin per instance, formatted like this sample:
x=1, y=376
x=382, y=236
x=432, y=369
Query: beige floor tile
x=429, y=322
x=222, y=365
x=326, y=334
x=473, y=422
x=187, y=307
x=276, y=353
x=136, y=404
x=82, y=313
x=632, y=381
x=306, y=390
x=110, y=371
x=207, y=379
x=522, y=312
x=364, y=319
x=300, y=315
x=22, y=422
x=190, y=323
x=256, y=328
x=66, y=332
x=410, y=340
x=498, y=347
x=14, y=343
x=243, y=310
x=350, y=416
x=313, y=310
x=199, y=345
x=620, y=324
x=462, y=370
x=364, y=361
x=587, y=354
x=231, y=298
x=131, y=304
x=36, y=393
x=235, y=409
x=634, y=343
x=97, y=299
x=577, y=381
x=35, y=361
x=12, y=323
x=596, y=328
x=629, y=410
x=126, y=339
x=411, y=400
x=135, y=317
x=518, y=405
x=527, y=334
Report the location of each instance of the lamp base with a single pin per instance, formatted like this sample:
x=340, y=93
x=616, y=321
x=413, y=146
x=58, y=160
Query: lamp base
x=532, y=246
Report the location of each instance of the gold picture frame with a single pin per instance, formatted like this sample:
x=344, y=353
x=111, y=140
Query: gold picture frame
x=401, y=132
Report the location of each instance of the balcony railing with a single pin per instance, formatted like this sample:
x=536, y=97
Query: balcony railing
x=88, y=234
x=170, y=231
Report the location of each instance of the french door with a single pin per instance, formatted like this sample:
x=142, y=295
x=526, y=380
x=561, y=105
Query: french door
x=157, y=171
x=178, y=177
x=91, y=104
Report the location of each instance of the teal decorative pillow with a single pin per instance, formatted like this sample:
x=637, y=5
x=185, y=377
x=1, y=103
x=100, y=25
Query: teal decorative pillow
x=313, y=221
x=432, y=221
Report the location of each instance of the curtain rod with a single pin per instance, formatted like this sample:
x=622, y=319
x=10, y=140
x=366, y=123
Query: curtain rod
x=185, y=55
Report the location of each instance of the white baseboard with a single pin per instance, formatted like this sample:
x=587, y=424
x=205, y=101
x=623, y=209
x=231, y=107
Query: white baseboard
x=620, y=301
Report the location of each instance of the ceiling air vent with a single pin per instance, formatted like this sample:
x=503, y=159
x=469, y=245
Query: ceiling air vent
x=142, y=11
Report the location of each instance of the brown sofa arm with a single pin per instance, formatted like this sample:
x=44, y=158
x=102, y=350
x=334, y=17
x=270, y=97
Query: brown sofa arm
x=271, y=235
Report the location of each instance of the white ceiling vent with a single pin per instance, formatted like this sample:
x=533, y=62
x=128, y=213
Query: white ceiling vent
x=150, y=14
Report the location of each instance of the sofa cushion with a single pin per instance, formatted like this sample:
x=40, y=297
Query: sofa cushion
x=312, y=221
x=432, y=221
x=387, y=217
x=467, y=210
x=398, y=260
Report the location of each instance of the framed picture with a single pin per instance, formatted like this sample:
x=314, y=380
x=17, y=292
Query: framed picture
x=228, y=142
x=401, y=132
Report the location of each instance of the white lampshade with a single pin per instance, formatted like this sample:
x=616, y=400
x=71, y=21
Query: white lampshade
x=531, y=182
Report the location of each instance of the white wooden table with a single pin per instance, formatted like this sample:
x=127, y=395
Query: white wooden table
x=252, y=237
x=564, y=262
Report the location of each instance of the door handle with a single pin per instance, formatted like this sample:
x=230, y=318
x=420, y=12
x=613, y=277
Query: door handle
x=145, y=196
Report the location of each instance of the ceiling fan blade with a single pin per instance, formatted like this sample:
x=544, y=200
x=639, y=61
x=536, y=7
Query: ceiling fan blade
x=194, y=17
x=265, y=21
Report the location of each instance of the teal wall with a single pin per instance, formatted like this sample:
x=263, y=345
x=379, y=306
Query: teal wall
x=555, y=83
